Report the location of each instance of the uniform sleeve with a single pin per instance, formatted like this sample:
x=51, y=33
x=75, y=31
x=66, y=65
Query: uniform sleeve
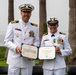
x=36, y=39
x=8, y=41
x=67, y=49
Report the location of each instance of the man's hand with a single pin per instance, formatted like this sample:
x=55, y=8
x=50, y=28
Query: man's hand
x=18, y=50
x=31, y=44
x=58, y=50
x=29, y=58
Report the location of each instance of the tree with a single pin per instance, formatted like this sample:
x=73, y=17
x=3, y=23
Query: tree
x=42, y=19
x=72, y=31
x=10, y=17
x=42, y=16
x=10, y=10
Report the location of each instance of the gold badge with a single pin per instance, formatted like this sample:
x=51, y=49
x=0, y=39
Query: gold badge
x=26, y=6
x=17, y=35
x=52, y=19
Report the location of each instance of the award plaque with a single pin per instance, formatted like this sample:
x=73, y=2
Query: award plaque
x=41, y=53
x=47, y=52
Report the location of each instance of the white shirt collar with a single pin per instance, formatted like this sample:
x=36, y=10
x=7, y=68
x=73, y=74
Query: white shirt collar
x=23, y=23
x=54, y=33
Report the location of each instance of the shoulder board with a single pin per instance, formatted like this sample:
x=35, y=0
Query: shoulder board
x=44, y=34
x=15, y=21
x=33, y=24
x=62, y=33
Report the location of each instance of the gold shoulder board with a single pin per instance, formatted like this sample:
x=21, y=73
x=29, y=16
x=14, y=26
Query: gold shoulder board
x=62, y=33
x=44, y=34
x=15, y=21
x=34, y=24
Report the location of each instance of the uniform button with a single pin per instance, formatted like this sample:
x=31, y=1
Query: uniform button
x=24, y=38
x=17, y=35
x=24, y=26
x=24, y=32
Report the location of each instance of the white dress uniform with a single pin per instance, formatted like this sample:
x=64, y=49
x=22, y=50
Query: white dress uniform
x=60, y=40
x=19, y=32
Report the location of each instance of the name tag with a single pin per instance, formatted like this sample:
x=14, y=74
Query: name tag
x=18, y=29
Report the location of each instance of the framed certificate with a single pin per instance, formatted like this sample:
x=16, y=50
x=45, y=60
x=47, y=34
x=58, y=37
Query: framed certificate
x=41, y=53
x=29, y=51
x=47, y=52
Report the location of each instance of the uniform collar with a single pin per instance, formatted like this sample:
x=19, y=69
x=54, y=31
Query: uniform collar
x=54, y=33
x=23, y=23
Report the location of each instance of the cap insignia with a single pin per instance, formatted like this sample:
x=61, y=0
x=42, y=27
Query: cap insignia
x=26, y=6
x=52, y=19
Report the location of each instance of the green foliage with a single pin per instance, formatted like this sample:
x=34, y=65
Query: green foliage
x=2, y=52
x=3, y=63
x=36, y=62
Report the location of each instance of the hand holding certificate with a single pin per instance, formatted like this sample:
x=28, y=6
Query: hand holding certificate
x=42, y=53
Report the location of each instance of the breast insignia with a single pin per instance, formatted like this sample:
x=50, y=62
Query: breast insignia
x=62, y=33
x=15, y=21
x=33, y=24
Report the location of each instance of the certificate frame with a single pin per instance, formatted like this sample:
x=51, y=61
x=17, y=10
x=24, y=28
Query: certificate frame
x=47, y=53
x=41, y=53
x=29, y=51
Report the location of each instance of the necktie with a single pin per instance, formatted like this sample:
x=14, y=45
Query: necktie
x=52, y=35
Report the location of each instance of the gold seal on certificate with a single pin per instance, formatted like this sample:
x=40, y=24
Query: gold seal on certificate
x=47, y=52
x=29, y=51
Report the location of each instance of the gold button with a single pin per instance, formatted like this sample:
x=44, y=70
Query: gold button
x=24, y=26
x=24, y=38
x=24, y=32
x=17, y=35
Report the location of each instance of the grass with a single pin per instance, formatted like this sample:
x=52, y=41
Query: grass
x=36, y=62
x=2, y=53
x=3, y=63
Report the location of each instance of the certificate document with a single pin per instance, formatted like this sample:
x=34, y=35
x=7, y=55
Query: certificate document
x=47, y=52
x=41, y=53
x=29, y=51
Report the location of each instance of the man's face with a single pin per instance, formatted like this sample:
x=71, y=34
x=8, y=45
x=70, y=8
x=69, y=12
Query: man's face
x=53, y=28
x=25, y=15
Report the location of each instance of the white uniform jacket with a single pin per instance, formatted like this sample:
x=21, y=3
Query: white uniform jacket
x=60, y=40
x=18, y=33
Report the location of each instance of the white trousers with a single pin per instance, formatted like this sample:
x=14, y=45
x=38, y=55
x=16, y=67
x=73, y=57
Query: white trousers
x=54, y=72
x=16, y=71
